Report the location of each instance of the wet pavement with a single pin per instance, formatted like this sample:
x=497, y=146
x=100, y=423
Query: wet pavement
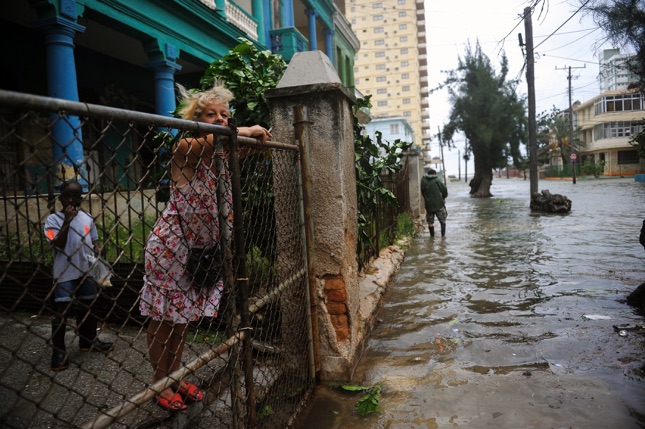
x=513, y=320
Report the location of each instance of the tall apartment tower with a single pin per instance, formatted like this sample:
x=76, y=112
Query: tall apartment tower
x=392, y=63
x=614, y=74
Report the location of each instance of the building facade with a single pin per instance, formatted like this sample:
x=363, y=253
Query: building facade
x=605, y=125
x=130, y=53
x=392, y=63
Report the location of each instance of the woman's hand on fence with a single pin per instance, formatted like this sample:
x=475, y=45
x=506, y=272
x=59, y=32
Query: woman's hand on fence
x=256, y=131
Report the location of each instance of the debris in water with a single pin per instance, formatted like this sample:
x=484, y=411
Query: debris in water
x=596, y=317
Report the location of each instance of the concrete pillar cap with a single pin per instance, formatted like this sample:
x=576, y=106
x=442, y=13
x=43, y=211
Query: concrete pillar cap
x=306, y=68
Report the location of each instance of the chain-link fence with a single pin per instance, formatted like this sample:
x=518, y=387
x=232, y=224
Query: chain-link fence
x=251, y=357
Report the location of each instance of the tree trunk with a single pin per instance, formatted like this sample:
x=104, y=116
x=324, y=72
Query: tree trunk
x=481, y=181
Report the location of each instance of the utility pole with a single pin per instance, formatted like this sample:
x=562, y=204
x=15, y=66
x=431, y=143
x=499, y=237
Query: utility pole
x=571, y=142
x=443, y=161
x=530, y=80
x=459, y=163
x=466, y=161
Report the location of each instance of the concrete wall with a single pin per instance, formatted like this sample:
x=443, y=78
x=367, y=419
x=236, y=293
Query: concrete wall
x=311, y=82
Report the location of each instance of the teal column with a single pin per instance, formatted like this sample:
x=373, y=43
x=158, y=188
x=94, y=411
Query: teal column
x=257, y=7
x=67, y=138
x=311, y=18
x=329, y=34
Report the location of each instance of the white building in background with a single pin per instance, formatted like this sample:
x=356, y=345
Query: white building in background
x=614, y=74
x=391, y=128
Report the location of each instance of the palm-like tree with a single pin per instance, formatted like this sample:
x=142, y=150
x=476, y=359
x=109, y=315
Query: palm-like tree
x=559, y=138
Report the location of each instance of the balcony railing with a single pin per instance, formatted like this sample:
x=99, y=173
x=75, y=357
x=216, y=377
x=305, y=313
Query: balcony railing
x=236, y=16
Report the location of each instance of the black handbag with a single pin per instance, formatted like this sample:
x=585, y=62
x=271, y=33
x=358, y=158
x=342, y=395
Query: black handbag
x=204, y=266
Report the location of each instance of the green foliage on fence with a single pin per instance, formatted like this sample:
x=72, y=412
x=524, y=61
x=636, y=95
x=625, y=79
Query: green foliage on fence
x=373, y=158
x=248, y=72
x=405, y=226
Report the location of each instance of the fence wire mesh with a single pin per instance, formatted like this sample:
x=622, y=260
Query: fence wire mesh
x=251, y=358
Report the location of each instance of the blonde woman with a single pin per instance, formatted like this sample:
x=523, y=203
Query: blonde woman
x=190, y=219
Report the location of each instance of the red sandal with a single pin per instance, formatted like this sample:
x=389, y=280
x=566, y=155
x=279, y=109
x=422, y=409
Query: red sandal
x=191, y=392
x=174, y=403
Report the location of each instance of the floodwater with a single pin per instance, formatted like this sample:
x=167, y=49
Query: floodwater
x=513, y=320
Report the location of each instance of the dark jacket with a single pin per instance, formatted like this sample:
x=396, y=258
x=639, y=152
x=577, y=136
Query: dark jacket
x=642, y=237
x=434, y=192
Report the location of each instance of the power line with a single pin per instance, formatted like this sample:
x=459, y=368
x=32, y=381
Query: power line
x=562, y=25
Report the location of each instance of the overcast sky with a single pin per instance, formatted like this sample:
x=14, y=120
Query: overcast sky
x=561, y=38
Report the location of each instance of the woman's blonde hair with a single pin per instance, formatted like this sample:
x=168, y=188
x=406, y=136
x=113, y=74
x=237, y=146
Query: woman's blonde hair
x=192, y=104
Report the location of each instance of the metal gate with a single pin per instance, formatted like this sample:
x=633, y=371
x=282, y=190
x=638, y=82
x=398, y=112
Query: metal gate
x=253, y=359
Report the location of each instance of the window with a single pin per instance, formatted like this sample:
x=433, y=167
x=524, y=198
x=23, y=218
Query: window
x=404, y=51
x=380, y=67
x=381, y=79
x=405, y=76
x=628, y=157
x=619, y=103
x=382, y=103
x=405, y=88
x=407, y=113
x=401, y=1
x=378, y=42
x=378, y=29
x=610, y=130
x=405, y=63
x=403, y=26
x=381, y=91
x=377, y=5
x=406, y=101
x=353, y=21
x=377, y=18
x=378, y=54
x=394, y=129
x=402, y=13
x=403, y=39
x=355, y=69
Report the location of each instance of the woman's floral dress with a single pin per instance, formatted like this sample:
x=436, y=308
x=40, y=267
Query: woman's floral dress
x=167, y=293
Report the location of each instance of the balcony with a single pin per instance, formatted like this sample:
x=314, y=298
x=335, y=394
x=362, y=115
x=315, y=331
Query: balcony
x=287, y=42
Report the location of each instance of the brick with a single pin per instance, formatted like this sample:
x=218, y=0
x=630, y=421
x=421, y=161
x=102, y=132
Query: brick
x=341, y=326
x=336, y=308
x=337, y=295
x=334, y=283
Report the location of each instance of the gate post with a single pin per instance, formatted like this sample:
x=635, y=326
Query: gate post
x=311, y=81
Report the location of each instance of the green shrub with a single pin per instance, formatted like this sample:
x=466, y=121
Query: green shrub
x=405, y=225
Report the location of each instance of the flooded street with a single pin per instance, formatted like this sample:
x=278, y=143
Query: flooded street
x=510, y=320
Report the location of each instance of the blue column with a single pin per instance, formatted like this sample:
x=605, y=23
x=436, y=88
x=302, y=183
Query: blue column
x=286, y=13
x=164, y=80
x=67, y=138
x=311, y=18
x=329, y=34
x=163, y=64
